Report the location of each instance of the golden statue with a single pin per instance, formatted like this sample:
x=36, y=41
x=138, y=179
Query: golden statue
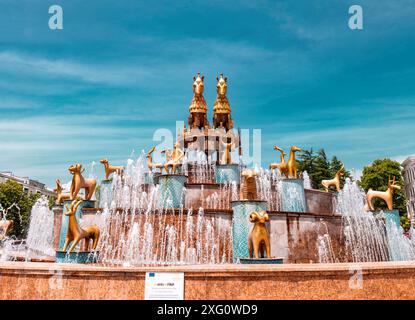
x=62, y=196
x=335, y=182
x=5, y=226
x=222, y=108
x=110, y=169
x=79, y=182
x=198, y=106
x=176, y=158
x=248, y=185
x=150, y=163
x=76, y=233
x=292, y=164
x=282, y=166
x=226, y=152
x=387, y=195
x=258, y=239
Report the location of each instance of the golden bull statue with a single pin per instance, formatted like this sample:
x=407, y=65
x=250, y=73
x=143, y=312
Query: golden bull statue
x=76, y=233
x=258, y=239
x=387, y=195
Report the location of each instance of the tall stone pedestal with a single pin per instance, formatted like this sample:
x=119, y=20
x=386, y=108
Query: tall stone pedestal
x=393, y=234
x=226, y=173
x=241, y=225
x=293, y=197
x=171, y=190
x=65, y=218
x=105, y=193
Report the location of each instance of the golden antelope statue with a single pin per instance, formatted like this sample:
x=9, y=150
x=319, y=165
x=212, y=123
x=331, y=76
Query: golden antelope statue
x=150, y=163
x=292, y=164
x=258, y=239
x=282, y=166
x=79, y=182
x=335, y=182
x=62, y=196
x=5, y=226
x=176, y=158
x=226, y=152
x=248, y=185
x=387, y=195
x=110, y=169
x=76, y=233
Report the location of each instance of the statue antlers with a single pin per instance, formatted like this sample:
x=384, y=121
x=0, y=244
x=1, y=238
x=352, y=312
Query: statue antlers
x=387, y=195
x=76, y=233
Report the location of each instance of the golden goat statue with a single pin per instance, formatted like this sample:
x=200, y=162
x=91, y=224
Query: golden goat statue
x=282, y=166
x=258, y=239
x=79, y=182
x=387, y=195
x=111, y=169
x=335, y=182
x=76, y=233
x=62, y=196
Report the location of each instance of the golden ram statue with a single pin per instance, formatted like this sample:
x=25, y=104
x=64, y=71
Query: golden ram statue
x=258, y=239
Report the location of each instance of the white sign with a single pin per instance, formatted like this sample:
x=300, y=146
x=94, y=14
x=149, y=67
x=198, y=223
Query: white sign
x=164, y=286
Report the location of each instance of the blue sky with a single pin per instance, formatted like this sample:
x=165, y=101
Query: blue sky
x=121, y=69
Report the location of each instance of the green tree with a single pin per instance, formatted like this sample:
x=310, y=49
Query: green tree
x=18, y=205
x=376, y=175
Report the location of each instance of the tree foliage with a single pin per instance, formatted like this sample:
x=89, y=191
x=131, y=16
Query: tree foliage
x=18, y=205
x=319, y=167
x=375, y=176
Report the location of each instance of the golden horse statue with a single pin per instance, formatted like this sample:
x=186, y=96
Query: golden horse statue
x=76, y=233
x=335, y=182
x=222, y=108
x=282, y=166
x=5, y=227
x=79, y=182
x=176, y=158
x=387, y=195
x=111, y=169
x=248, y=189
x=150, y=163
x=198, y=106
x=62, y=196
x=258, y=239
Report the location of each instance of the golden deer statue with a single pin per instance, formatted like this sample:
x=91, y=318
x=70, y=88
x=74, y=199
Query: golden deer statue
x=292, y=164
x=335, y=182
x=5, y=226
x=387, y=195
x=226, y=152
x=62, y=196
x=150, y=163
x=258, y=239
x=79, y=182
x=248, y=189
x=111, y=169
x=76, y=233
x=282, y=166
x=175, y=160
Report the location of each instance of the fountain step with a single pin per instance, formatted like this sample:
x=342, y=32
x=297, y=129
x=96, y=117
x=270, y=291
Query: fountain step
x=261, y=261
x=76, y=257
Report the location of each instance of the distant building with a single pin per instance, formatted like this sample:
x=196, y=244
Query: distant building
x=408, y=173
x=29, y=186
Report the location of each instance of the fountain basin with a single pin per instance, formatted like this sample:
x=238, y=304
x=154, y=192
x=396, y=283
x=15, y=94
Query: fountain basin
x=261, y=261
x=76, y=257
x=293, y=196
x=171, y=190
